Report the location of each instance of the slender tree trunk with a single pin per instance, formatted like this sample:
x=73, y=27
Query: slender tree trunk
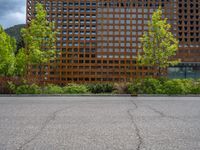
x=40, y=70
x=159, y=71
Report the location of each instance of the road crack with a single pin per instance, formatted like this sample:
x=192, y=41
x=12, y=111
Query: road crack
x=134, y=103
x=140, y=140
x=164, y=115
x=137, y=130
x=49, y=119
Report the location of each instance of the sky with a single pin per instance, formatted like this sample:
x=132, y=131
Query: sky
x=12, y=12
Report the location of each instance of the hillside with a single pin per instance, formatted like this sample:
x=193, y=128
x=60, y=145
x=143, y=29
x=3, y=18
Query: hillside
x=15, y=32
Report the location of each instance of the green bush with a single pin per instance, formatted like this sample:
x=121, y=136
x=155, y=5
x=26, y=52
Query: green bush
x=162, y=80
x=188, y=85
x=100, y=88
x=139, y=86
x=145, y=86
x=177, y=86
x=195, y=87
x=108, y=88
x=151, y=86
x=27, y=89
x=11, y=86
x=75, y=89
x=135, y=87
x=52, y=89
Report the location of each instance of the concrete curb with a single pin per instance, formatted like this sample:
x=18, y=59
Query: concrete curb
x=65, y=95
x=166, y=95
x=97, y=95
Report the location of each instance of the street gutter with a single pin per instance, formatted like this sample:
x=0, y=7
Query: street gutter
x=65, y=95
x=98, y=95
x=166, y=95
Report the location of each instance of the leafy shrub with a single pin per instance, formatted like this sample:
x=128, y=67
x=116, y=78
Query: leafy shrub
x=151, y=86
x=108, y=88
x=195, y=87
x=139, y=86
x=26, y=89
x=188, y=85
x=177, y=86
x=145, y=86
x=162, y=79
x=52, y=89
x=135, y=87
x=100, y=88
x=11, y=86
x=75, y=89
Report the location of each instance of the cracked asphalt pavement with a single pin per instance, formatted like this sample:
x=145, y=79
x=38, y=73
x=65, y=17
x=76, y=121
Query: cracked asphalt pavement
x=99, y=123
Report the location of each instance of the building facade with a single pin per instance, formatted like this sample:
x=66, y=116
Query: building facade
x=99, y=40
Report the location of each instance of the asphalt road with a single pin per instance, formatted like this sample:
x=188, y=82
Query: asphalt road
x=99, y=123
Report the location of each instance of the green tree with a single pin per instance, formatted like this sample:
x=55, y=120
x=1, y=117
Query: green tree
x=158, y=44
x=15, y=33
x=20, y=62
x=7, y=55
x=39, y=38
